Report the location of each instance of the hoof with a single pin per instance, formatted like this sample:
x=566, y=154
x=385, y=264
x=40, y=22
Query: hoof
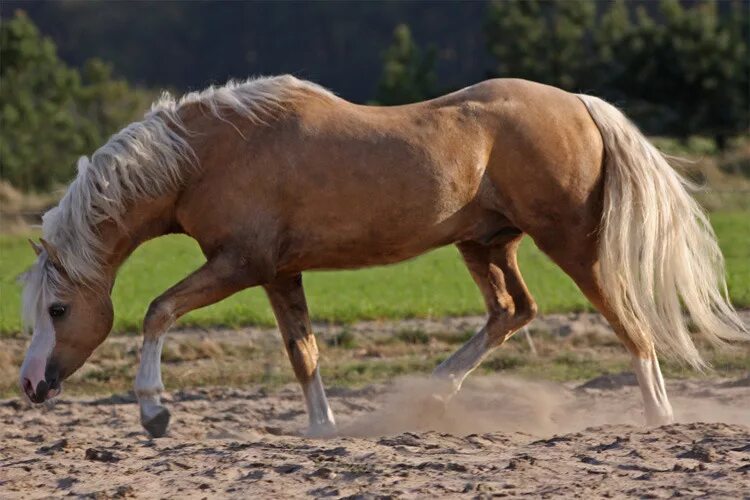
x=157, y=425
x=321, y=431
x=442, y=390
x=434, y=405
x=659, y=420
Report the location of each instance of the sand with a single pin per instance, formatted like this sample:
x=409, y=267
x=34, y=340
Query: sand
x=501, y=436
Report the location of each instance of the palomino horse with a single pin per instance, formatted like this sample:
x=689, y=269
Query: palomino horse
x=275, y=176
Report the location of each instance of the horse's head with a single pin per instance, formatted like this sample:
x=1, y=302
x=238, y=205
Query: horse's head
x=69, y=321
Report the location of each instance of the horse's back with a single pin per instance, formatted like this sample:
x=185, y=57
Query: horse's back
x=334, y=184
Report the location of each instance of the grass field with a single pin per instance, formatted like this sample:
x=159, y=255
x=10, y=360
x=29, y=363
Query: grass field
x=434, y=285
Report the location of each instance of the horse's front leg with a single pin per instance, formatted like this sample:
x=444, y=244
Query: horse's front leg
x=215, y=280
x=288, y=302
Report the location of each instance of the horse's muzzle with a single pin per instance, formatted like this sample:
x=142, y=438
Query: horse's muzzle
x=45, y=389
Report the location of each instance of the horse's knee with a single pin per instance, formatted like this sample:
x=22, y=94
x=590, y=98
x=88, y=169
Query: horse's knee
x=159, y=316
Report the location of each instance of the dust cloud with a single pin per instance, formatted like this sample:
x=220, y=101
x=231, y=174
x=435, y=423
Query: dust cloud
x=513, y=404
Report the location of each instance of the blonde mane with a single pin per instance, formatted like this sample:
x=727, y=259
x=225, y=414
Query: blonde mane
x=144, y=160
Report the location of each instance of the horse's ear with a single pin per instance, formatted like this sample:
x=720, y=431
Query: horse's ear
x=34, y=246
x=51, y=252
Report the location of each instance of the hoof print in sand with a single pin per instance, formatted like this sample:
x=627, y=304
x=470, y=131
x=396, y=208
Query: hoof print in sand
x=101, y=455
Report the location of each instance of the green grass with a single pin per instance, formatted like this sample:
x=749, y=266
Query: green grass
x=434, y=285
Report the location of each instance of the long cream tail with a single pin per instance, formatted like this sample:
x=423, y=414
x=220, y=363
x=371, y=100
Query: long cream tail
x=657, y=251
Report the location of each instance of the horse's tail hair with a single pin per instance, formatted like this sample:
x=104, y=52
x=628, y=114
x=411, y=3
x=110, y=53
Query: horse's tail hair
x=657, y=251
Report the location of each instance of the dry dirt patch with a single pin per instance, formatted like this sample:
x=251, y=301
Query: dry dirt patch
x=501, y=436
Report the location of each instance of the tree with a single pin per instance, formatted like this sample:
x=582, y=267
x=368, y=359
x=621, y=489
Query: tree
x=408, y=75
x=49, y=114
x=609, y=37
x=544, y=41
x=685, y=71
x=105, y=104
x=36, y=103
x=691, y=70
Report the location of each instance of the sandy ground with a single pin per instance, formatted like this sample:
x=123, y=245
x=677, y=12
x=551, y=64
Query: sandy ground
x=501, y=436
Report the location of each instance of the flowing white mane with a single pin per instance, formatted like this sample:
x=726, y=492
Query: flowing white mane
x=144, y=160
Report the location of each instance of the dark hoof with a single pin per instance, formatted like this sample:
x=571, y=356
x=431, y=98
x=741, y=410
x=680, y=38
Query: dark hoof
x=157, y=425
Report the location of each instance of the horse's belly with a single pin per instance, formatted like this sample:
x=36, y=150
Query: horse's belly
x=351, y=244
x=352, y=256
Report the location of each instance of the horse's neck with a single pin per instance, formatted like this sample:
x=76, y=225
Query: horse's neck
x=147, y=220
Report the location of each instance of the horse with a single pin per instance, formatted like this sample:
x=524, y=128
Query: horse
x=275, y=176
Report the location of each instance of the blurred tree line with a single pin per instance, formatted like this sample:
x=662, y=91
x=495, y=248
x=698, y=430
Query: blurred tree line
x=678, y=68
x=51, y=113
x=680, y=71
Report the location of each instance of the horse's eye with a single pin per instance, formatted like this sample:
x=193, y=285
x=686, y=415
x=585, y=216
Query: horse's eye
x=57, y=310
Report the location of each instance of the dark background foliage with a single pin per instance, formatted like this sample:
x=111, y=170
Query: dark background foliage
x=679, y=68
x=189, y=45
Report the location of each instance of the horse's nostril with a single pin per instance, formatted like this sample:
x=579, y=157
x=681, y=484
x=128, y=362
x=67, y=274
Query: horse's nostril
x=42, y=388
x=52, y=375
x=28, y=388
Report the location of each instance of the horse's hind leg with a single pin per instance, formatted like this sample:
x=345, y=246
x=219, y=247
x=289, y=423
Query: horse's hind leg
x=579, y=260
x=290, y=307
x=509, y=305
